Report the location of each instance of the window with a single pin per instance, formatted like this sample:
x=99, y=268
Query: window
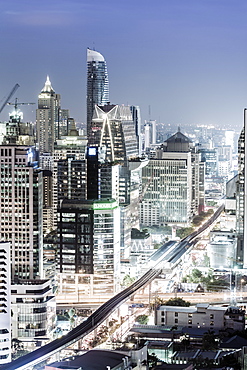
x=189, y=314
x=176, y=321
x=190, y=322
x=176, y=314
x=211, y=316
x=211, y=323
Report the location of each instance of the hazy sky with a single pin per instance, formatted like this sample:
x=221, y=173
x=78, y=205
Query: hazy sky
x=186, y=59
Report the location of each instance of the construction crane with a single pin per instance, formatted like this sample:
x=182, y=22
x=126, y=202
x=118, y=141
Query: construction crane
x=16, y=104
x=9, y=96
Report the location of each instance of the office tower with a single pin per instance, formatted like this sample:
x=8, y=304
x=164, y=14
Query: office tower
x=89, y=247
x=171, y=192
x=68, y=164
x=47, y=118
x=97, y=84
x=153, y=123
x=20, y=204
x=113, y=127
x=102, y=176
x=241, y=199
x=71, y=178
x=147, y=136
x=136, y=116
x=5, y=304
x=209, y=156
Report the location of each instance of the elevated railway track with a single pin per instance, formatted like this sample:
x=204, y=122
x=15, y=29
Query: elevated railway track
x=172, y=255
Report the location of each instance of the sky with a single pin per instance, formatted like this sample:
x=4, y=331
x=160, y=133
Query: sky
x=182, y=61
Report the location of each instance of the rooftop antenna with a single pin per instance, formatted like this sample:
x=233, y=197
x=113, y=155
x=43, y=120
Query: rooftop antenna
x=149, y=112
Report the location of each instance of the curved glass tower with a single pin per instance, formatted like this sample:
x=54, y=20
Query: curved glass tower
x=97, y=83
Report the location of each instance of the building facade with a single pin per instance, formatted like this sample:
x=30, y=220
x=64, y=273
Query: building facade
x=5, y=303
x=21, y=209
x=97, y=84
x=89, y=246
x=172, y=184
x=34, y=312
x=47, y=118
x=201, y=316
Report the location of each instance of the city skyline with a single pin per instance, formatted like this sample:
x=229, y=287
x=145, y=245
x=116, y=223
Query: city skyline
x=181, y=62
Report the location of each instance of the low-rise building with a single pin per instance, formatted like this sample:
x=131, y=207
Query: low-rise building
x=201, y=316
x=34, y=311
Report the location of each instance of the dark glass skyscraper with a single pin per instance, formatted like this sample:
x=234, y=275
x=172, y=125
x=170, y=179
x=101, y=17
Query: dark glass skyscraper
x=97, y=83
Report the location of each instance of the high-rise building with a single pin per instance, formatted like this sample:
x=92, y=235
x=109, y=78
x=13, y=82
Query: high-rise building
x=5, y=304
x=114, y=129
x=136, y=116
x=172, y=183
x=97, y=83
x=241, y=199
x=47, y=118
x=89, y=246
x=21, y=205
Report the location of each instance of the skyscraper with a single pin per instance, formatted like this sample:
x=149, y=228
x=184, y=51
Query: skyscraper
x=20, y=204
x=97, y=83
x=47, y=116
x=172, y=183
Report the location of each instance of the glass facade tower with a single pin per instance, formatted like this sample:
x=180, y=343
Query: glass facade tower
x=97, y=83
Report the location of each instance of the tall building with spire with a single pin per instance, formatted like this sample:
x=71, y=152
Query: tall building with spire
x=47, y=118
x=97, y=83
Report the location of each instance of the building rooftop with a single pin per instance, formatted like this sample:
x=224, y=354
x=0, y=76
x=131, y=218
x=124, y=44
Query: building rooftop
x=92, y=360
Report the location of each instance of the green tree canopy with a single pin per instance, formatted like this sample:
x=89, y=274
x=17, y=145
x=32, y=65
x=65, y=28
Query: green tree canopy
x=177, y=302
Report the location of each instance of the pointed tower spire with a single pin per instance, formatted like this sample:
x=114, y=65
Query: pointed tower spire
x=47, y=87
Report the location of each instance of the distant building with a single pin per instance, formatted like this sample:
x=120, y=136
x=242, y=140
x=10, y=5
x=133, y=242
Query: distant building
x=201, y=316
x=136, y=116
x=222, y=249
x=172, y=184
x=209, y=156
x=241, y=199
x=47, y=118
x=97, y=84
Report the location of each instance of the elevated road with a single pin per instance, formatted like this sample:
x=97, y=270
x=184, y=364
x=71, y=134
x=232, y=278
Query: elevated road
x=108, y=307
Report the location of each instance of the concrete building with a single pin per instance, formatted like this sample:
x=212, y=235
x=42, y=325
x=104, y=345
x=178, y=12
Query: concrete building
x=222, y=249
x=201, y=316
x=21, y=209
x=172, y=184
x=5, y=304
x=34, y=312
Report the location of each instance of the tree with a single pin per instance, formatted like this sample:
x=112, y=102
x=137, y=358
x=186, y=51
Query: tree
x=127, y=280
x=196, y=276
x=17, y=348
x=184, y=231
x=177, y=302
x=209, y=340
x=142, y=319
